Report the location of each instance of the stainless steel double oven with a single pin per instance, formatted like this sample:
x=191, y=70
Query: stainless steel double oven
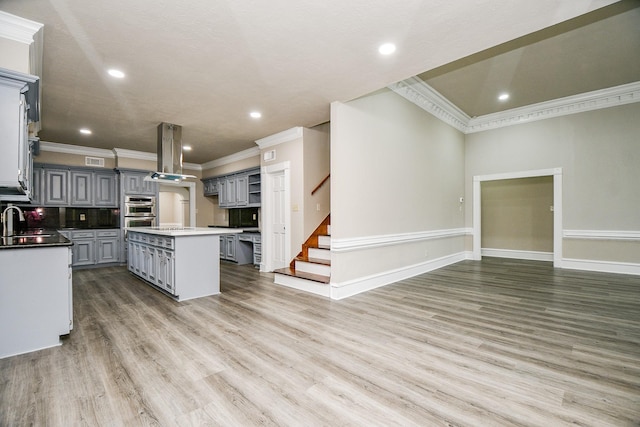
x=140, y=211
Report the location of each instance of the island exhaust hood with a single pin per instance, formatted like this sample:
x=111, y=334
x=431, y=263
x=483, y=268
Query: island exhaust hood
x=169, y=154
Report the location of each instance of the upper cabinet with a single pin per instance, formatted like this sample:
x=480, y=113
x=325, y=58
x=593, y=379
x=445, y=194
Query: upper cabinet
x=134, y=183
x=237, y=190
x=68, y=186
x=18, y=107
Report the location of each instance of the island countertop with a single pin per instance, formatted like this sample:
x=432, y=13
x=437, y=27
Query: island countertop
x=185, y=231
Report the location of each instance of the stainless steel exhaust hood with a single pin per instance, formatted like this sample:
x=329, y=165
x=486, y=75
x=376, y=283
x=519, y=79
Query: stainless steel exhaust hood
x=169, y=154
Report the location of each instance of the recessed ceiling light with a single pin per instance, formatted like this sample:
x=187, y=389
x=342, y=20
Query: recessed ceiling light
x=186, y=148
x=116, y=73
x=255, y=114
x=387, y=49
x=503, y=96
x=85, y=131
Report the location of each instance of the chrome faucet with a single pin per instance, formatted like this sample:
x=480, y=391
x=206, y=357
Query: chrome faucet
x=7, y=229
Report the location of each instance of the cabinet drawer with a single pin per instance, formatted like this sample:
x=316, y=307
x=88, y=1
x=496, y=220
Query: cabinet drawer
x=257, y=239
x=110, y=233
x=165, y=242
x=83, y=235
x=257, y=248
x=245, y=237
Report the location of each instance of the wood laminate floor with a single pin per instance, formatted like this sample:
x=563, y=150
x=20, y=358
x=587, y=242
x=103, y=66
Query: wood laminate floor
x=491, y=343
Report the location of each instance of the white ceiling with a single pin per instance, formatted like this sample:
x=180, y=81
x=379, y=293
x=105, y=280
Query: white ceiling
x=205, y=64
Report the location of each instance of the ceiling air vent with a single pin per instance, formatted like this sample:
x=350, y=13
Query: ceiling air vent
x=94, y=161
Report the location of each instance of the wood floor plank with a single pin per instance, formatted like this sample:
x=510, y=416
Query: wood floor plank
x=496, y=342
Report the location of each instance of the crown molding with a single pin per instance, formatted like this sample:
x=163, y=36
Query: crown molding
x=153, y=157
x=56, y=147
x=424, y=96
x=279, y=138
x=240, y=155
x=588, y=101
x=18, y=29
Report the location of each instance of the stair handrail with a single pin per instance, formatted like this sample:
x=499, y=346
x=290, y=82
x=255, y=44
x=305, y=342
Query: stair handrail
x=320, y=185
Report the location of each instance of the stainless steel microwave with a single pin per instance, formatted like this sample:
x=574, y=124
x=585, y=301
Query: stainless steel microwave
x=139, y=206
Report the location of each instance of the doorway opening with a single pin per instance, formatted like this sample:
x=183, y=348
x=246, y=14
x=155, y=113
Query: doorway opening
x=177, y=204
x=556, y=176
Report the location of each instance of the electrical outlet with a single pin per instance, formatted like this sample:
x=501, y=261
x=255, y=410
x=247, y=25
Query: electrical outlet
x=318, y=207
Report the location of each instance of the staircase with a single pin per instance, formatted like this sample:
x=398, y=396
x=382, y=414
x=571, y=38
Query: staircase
x=310, y=271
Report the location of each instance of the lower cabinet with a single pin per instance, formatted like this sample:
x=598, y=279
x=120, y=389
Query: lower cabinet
x=94, y=247
x=243, y=248
x=153, y=259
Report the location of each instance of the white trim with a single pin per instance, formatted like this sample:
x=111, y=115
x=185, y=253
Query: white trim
x=56, y=147
x=153, y=157
x=368, y=242
x=602, y=235
x=18, y=29
x=267, y=208
x=367, y=283
x=601, y=266
x=424, y=96
x=240, y=155
x=515, y=254
x=279, y=138
x=191, y=187
x=595, y=100
x=557, y=207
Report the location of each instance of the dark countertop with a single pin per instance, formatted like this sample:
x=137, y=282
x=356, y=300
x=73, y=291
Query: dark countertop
x=34, y=239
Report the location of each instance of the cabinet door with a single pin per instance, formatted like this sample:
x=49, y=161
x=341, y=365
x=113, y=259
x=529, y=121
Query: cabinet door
x=81, y=188
x=152, y=274
x=242, y=190
x=55, y=187
x=105, y=189
x=131, y=183
x=148, y=188
x=231, y=248
x=84, y=252
x=166, y=270
x=130, y=258
x=36, y=187
x=223, y=247
x=230, y=192
x=108, y=250
x=222, y=193
x=144, y=262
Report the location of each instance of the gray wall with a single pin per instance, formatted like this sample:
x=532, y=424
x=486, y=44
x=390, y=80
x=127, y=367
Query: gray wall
x=599, y=153
x=395, y=170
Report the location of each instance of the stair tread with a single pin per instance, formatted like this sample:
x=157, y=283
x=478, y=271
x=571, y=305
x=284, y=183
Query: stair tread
x=314, y=260
x=303, y=275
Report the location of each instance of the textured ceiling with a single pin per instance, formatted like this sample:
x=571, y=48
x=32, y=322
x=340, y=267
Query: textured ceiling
x=205, y=64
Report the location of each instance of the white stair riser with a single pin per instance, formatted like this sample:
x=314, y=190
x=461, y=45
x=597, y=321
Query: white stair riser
x=324, y=241
x=310, y=267
x=319, y=253
x=302, y=284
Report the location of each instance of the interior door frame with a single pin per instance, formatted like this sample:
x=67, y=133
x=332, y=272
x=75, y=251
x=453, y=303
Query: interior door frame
x=191, y=187
x=268, y=173
x=557, y=208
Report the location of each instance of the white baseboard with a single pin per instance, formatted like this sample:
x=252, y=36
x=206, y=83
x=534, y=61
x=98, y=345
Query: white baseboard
x=363, y=284
x=601, y=266
x=509, y=253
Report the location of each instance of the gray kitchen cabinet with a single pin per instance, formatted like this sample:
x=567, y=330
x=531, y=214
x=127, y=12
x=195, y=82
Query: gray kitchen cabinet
x=242, y=190
x=74, y=186
x=36, y=186
x=81, y=188
x=236, y=190
x=210, y=186
x=55, y=186
x=153, y=259
x=105, y=190
x=84, y=247
x=108, y=246
x=134, y=183
x=94, y=247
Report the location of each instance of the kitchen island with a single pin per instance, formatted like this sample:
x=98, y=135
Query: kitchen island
x=184, y=262
x=35, y=291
